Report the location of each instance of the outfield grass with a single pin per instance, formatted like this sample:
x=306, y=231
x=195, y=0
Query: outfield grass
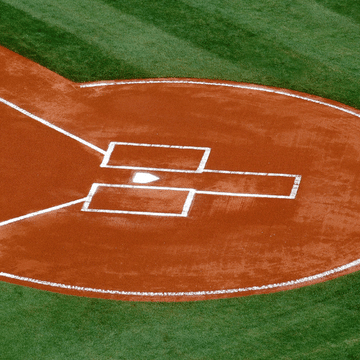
x=310, y=46
x=317, y=322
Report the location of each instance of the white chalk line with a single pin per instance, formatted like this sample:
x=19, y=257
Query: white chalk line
x=62, y=131
x=106, y=158
x=185, y=293
x=295, y=187
x=266, y=196
x=187, y=203
x=203, y=160
x=52, y=126
x=200, y=168
x=248, y=87
x=184, y=211
x=113, y=143
x=249, y=173
x=194, y=293
x=44, y=211
x=151, y=169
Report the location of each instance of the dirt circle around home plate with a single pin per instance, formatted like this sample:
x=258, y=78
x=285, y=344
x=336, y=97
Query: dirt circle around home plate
x=173, y=189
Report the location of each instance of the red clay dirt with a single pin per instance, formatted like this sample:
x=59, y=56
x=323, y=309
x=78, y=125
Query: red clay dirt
x=220, y=245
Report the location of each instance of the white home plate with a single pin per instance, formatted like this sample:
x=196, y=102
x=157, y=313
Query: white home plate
x=144, y=178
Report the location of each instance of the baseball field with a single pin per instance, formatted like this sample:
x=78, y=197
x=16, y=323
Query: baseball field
x=180, y=179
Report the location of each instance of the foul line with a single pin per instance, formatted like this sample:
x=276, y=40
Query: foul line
x=52, y=126
x=54, y=208
x=249, y=87
x=186, y=293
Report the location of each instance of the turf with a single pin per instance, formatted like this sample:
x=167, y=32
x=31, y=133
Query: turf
x=317, y=322
x=60, y=50
x=308, y=45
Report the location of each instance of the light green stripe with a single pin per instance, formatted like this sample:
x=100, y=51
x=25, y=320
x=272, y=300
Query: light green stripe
x=141, y=44
x=304, y=25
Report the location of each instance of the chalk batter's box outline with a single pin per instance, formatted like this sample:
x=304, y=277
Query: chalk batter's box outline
x=200, y=168
x=191, y=192
x=184, y=211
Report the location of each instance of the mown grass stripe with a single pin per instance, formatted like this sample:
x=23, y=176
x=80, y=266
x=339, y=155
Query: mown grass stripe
x=295, y=45
x=126, y=37
x=60, y=50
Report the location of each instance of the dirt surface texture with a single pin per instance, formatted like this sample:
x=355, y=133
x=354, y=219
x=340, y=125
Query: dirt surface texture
x=173, y=189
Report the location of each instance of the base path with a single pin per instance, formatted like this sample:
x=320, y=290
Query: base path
x=173, y=189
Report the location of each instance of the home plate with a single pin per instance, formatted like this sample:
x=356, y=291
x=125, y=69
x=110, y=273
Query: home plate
x=144, y=178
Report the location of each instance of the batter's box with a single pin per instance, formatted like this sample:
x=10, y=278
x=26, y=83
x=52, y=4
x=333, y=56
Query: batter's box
x=139, y=200
x=172, y=158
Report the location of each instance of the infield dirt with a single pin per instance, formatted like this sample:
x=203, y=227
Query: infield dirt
x=261, y=140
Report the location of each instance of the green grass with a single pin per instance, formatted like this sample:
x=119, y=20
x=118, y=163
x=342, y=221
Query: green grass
x=307, y=45
x=317, y=322
x=311, y=46
x=60, y=50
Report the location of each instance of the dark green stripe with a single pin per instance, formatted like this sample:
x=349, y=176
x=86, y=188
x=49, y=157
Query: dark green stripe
x=317, y=322
x=61, y=51
x=348, y=8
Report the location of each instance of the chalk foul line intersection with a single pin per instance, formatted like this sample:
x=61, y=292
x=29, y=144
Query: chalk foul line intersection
x=141, y=177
